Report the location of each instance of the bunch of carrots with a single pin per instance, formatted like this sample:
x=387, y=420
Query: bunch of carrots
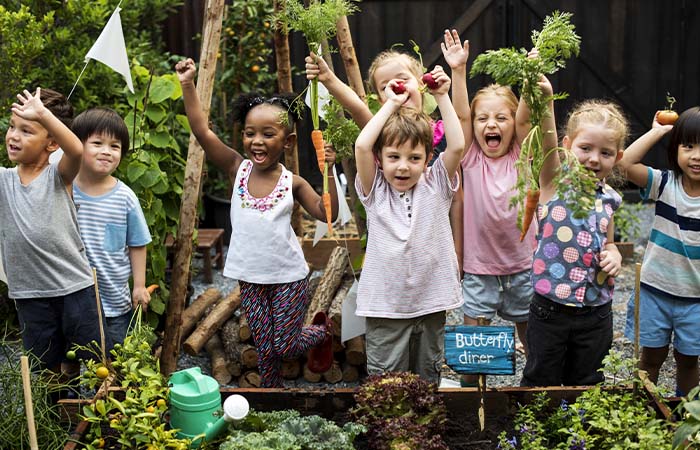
x=556, y=42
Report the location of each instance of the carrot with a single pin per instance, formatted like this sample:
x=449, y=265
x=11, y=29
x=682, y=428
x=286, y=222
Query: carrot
x=533, y=197
x=152, y=288
x=326, y=197
x=317, y=139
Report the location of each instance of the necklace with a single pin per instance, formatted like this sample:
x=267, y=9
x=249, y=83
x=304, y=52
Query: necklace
x=265, y=203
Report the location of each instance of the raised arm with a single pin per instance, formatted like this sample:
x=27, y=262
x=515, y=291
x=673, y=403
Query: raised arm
x=364, y=158
x=551, y=164
x=456, y=56
x=454, y=134
x=317, y=67
x=219, y=153
x=522, y=114
x=630, y=164
x=30, y=107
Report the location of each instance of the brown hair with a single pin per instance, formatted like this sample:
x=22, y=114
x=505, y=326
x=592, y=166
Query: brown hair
x=406, y=125
x=58, y=104
x=412, y=64
x=496, y=90
x=598, y=112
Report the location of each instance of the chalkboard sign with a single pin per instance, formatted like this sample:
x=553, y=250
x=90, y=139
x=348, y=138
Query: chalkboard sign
x=480, y=350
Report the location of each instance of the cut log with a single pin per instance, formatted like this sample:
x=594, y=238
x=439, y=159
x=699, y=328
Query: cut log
x=244, y=329
x=291, y=369
x=196, y=310
x=211, y=323
x=230, y=338
x=219, y=370
x=249, y=356
x=334, y=374
x=351, y=373
x=355, y=351
x=332, y=276
x=234, y=368
x=335, y=310
x=250, y=379
x=337, y=345
x=313, y=285
x=311, y=377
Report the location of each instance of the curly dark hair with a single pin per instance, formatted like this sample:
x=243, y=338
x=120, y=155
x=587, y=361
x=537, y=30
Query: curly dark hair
x=286, y=102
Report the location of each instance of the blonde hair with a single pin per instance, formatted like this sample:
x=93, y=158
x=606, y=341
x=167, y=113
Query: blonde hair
x=406, y=125
x=412, y=64
x=598, y=112
x=496, y=90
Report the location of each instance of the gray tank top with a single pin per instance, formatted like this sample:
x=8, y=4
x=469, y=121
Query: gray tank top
x=42, y=251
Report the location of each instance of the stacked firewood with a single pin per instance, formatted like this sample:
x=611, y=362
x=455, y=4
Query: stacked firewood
x=219, y=326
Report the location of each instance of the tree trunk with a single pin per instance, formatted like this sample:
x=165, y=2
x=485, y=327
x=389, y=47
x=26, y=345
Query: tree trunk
x=335, y=310
x=211, y=323
x=190, y=195
x=284, y=83
x=332, y=276
x=196, y=310
x=219, y=369
x=355, y=351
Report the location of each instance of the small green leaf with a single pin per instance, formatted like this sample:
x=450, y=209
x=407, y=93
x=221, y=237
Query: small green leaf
x=160, y=139
x=155, y=113
x=162, y=89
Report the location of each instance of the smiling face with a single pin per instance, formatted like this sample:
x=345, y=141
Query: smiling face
x=494, y=125
x=403, y=165
x=596, y=147
x=102, y=154
x=689, y=163
x=398, y=67
x=26, y=141
x=265, y=138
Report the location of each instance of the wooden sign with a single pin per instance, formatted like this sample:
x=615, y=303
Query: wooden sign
x=480, y=349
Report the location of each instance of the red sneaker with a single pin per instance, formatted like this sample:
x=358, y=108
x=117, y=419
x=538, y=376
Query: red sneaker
x=320, y=358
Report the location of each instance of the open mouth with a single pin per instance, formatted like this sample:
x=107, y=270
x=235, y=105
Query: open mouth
x=258, y=157
x=493, y=140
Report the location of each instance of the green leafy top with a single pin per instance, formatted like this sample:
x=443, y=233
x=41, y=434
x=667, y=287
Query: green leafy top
x=317, y=22
x=340, y=131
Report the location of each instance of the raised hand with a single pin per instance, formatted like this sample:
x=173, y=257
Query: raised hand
x=329, y=155
x=396, y=92
x=316, y=67
x=455, y=54
x=441, y=79
x=186, y=70
x=30, y=106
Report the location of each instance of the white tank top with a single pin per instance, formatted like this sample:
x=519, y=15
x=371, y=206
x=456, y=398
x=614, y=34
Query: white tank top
x=263, y=247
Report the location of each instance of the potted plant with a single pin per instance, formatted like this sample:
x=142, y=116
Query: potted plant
x=627, y=228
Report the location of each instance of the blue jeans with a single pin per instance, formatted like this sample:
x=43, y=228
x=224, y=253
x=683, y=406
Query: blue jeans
x=566, y=345
x=118, y=326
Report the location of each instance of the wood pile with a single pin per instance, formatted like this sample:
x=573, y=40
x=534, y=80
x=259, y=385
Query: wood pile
x=219, y=326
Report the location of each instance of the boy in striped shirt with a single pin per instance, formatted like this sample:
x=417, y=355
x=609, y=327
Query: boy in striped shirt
x=111, y=221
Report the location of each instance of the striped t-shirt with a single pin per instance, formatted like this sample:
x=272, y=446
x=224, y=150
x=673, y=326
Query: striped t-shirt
x=672, y=258
x=109, y=225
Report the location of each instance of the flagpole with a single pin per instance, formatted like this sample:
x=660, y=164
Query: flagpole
x=76, y=81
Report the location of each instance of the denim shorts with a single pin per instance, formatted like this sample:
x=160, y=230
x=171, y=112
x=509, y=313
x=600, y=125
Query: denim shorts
x=50, y=326
x=507, y=295
x=662, y=315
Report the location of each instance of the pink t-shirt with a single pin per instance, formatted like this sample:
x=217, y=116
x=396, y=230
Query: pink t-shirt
x=491, y=236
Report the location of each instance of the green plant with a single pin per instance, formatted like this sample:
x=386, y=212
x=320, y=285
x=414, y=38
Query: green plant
x=628, y=223
x=607, y=416
x=400, y=410
x=687, y=435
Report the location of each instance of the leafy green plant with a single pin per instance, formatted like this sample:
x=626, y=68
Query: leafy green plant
x=400, y=410
x=607, y=416
x=286, y=429
x=628, y=223
x=340, y=131
x=556, y=42
x=687, y=435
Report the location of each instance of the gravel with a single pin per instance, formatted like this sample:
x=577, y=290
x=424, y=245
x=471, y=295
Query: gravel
x=623, y=291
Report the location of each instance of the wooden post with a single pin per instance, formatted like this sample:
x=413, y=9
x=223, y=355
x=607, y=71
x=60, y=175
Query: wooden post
x=284, y=84
x=190, y=195
x=637, y=281
x=28, y=404
x=481, y=320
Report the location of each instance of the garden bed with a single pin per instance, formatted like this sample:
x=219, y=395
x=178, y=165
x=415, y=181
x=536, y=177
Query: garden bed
x=462, y=432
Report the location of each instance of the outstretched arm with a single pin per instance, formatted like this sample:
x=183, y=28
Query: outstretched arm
x=364, y=157
x=219, y=153
x=630, y=164
x=316, y=67
x=551, y=164
x=456, y=56
x=454, y=135
x=30, y=107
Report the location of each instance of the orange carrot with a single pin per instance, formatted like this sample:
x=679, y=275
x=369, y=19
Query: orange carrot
x=317, y=140
x=533, y=196
x=152, y=288
x=326, y=197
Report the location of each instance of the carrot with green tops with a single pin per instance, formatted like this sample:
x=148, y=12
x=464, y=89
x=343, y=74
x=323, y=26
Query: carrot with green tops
x=317, y=140
x=533, y=197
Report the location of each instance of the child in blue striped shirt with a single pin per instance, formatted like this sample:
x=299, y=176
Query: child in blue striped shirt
x=670, y=280
x=111, y=221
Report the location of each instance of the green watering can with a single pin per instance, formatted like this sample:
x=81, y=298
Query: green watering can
x=195, y=406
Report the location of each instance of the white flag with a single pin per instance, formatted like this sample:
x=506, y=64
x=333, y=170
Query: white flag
x=110, y=49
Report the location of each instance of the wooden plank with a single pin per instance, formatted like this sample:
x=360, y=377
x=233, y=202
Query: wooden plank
x=480, y=349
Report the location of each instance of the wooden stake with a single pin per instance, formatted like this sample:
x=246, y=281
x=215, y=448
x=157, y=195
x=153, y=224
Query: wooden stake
x=637, y=282
x=99, y=318
x=28, y=405
x=190, y=194
x=482, y=386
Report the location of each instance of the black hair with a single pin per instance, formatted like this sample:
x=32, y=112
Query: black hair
x=287, y=102
x=101, y=121
x=58, y=104
x=685, y=131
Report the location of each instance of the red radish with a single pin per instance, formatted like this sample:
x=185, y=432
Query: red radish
x=429, y=81
x=399, y=88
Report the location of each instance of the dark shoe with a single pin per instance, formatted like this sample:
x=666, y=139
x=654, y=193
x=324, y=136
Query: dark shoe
x=321, y=357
